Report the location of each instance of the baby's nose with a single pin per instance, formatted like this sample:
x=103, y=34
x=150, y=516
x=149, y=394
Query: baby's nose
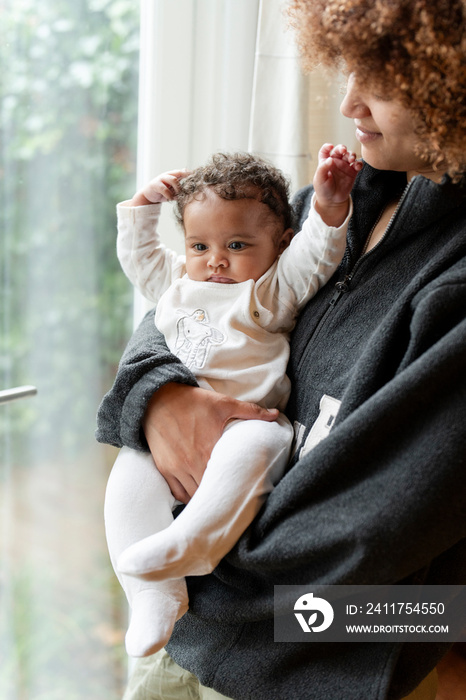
x=218, y=260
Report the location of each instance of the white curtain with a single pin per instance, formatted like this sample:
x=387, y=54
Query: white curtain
x=279, y=129
x=292, y=114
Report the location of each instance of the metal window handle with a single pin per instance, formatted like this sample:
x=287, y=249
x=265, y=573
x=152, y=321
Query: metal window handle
x=19, y=392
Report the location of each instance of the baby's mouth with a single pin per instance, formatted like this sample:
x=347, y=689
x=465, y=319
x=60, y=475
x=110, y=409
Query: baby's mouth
x=221, y=280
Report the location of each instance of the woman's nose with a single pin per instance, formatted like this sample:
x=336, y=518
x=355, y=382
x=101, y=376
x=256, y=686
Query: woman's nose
x=353, y=105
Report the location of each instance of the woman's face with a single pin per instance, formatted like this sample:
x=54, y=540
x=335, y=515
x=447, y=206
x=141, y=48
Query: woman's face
x=385, y=130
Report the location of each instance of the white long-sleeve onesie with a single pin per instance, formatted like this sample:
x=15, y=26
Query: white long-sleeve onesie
x=233, y=337
x=235, y=340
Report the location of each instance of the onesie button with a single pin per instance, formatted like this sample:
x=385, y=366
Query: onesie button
x=256, y=314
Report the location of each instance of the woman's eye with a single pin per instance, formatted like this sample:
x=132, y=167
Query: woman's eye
x=237, y=245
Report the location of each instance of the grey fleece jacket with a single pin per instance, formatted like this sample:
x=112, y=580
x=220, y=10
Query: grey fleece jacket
x=382, y=498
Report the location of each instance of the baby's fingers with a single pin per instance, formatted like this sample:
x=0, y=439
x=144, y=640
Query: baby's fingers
x=325, y=151
x=171, y=182
x=165, y=187
x=180, y=174
x=157, y=191
x=357, y=164
x=339, y=151
x=342, y=153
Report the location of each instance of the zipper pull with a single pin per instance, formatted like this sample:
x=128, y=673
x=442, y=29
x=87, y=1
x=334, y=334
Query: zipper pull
x=341, y=288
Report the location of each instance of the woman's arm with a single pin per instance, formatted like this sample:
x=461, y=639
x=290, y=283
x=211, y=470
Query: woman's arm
x=146, y=366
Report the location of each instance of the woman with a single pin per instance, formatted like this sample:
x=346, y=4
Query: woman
x=381, y=499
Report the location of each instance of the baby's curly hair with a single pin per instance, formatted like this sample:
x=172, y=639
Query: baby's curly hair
x=412, y=50
x=238, y=176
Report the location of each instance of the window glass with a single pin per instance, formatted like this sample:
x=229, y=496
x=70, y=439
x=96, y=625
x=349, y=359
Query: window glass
x=68, y=112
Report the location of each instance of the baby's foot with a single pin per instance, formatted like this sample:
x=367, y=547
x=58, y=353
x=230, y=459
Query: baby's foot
x=153, y=616
x=164, y=555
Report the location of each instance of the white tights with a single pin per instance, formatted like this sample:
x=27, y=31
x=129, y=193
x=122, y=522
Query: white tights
x=151, y=552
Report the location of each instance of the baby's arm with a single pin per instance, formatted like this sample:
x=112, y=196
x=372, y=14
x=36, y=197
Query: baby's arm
x=316, y=251
x=148, y=264
x=333, y=181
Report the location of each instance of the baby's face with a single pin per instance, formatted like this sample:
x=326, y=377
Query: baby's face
x=231, y=241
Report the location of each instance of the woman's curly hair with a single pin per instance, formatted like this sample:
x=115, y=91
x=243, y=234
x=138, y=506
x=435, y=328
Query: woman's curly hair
x=412, y=50
x=238, y=176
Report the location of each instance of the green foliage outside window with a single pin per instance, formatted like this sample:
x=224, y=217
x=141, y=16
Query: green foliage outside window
x=68, y=123
x=68, y=114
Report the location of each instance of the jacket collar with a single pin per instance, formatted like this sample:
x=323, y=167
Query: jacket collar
x=425, y=203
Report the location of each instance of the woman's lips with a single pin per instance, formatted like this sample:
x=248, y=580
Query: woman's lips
x=365, y=136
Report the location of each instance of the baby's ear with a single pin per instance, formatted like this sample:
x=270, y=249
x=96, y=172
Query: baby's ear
x=285, y=239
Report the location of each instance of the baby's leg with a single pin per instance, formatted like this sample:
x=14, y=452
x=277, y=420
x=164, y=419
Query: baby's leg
x=246, y=462
x=138, y=502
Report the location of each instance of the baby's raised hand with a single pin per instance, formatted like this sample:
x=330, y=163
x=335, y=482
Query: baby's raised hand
x=162, y=188
x=333, y=182
x=335, y=174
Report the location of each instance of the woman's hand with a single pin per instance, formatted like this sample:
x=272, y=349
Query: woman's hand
x=183, y=423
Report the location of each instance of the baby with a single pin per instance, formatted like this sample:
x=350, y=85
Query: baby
x=226, y=309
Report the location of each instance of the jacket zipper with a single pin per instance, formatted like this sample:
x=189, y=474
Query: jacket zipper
x=343, y=286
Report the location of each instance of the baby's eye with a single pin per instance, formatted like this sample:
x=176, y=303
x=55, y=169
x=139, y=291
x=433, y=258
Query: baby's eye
x=237, y=245
x=200, y=247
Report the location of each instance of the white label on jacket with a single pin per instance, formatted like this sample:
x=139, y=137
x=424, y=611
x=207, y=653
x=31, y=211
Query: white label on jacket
x=329, y=408
x=299, y=430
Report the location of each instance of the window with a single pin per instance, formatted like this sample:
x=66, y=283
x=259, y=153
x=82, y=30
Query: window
x=68, y=117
